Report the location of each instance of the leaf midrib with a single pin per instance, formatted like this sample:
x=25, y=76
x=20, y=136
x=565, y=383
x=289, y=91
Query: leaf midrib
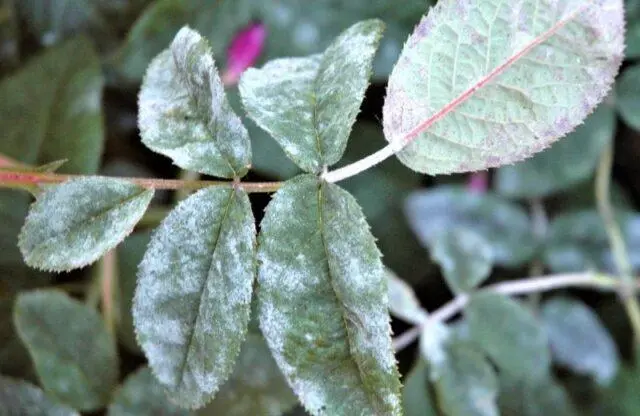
x=469, y=92
x=194, y=321
x=345, y=319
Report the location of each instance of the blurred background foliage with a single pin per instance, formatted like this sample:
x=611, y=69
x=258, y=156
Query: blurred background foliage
x=70, y=72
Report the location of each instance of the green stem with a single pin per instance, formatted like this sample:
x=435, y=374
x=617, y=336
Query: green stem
x=108, y=285
x=616, y=240
x=19, y=179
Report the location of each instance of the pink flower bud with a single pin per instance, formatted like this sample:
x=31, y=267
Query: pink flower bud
x=478, y=182
x=244, y=51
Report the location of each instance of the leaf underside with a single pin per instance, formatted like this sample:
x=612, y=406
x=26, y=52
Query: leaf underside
x=485, y=83
x=185, y=115
x=74, y=224
x=323, y=301
x=192, y=304
x=309, y=105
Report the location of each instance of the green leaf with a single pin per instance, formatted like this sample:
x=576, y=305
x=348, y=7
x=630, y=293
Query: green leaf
x=577, y=241
x=628, y=96
x=20, y=398
x=483, y=84
x=403, y=302
x=142, y=395
x=323, y=301
x=185, y=115
x=272, y=161
x=52, y=109
x=541, y=398
x=130, y=254
x=509, y=334
x=578, y=339
x=416, y=397
x=256, y=386
x=381, y=192
x=505, y=226
x=73, y=353
x=14, y=358
x=309, y=105
x=567, y=163
x=465, y=256
x=295, y=28
x=74, y=224
x=465, y=383
x=192, y=304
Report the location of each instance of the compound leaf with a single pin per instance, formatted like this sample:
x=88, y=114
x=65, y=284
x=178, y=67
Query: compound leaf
x=416, y=395
x=18, y=397
x=504, y=225
x=74, y=355
x=579, y=340
x=509, y=334
x=484, y=83
x=309, y=105
x=185, y=115
x=465, y=257
x=192, y=304
x=142, y=395
x=567, y=163
x=323, y=301
x=74, y=224
x=535, y=398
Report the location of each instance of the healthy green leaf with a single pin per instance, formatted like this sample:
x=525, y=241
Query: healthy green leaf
x=309, y=105
x=403, y=303
x=567, y=163
x=296, y=28
x=628, y=96
x=509, y=334
x=578, y=339
x=578, y=241
x=185, y=115
x=142, y=395
x=621, y=398
x=465, y=383
x=74, y=355
x=540, y=398
x=381, y=192
x=74, y=224
x=323, y=301
x=130, y=254
x=192, y=304
x=20, y=398
x=52, y=109
x=416, y=397
x=256, y=386
x=465, y=256
x=483, y=84
x=504, y=225
x=632, y=35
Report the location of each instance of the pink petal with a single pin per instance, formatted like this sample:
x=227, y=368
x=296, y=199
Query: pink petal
x=478, y=182
x=244, y=50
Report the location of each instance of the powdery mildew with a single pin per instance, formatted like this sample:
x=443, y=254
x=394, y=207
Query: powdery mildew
x=192, y=304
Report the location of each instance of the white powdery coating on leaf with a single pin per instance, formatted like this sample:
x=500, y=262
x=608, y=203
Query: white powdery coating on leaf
x=403, y=302
x=74, y=224
x=309, y=105
x=184, y=113
x=192, y=304
x=323, y=301
x=495, y=118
